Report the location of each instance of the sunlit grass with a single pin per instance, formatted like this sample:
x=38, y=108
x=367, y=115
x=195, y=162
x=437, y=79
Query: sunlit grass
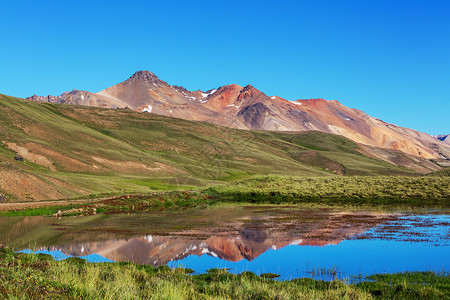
x=39, y=276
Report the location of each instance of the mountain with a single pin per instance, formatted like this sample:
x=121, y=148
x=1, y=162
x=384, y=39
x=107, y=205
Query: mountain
x=54, y=151
x=248, y=108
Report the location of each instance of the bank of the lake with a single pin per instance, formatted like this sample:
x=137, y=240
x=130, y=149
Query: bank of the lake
x=39, y=276
x=349, y=191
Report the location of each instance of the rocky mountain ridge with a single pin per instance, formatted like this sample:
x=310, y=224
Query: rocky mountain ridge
x=248, y=108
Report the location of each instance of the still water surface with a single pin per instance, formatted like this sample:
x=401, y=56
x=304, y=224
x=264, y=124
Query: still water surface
x=293, y=242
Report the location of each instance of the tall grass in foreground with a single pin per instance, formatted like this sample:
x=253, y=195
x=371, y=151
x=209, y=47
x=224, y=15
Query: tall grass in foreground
x=25, y=276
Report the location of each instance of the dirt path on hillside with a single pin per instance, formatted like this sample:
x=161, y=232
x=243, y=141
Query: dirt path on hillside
x=37, y=204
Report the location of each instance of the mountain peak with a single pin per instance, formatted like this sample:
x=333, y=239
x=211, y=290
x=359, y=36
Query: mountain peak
x=250, y=92
x=144, y=75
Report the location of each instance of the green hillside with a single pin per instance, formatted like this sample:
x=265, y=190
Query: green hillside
x=70, y=151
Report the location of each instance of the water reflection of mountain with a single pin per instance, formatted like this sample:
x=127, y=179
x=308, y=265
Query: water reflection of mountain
x=245, y=238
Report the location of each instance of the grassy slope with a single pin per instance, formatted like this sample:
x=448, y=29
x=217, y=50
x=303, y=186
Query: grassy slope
x=92, y=150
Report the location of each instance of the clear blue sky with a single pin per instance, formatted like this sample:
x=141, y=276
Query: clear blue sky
x=389, y=58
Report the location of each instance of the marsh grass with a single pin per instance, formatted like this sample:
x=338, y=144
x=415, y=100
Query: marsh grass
x=355, y=189
x=33, y=276
x=324, y=272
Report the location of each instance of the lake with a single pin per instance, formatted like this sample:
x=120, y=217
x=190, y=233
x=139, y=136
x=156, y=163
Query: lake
x=292, y=241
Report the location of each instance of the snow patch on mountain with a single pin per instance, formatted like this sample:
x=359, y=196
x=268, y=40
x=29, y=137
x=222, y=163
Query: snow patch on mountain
x=232, y=105
x=204, y=95
x=147, y=109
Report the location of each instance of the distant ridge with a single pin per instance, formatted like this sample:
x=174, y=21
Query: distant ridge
x=248, y=108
